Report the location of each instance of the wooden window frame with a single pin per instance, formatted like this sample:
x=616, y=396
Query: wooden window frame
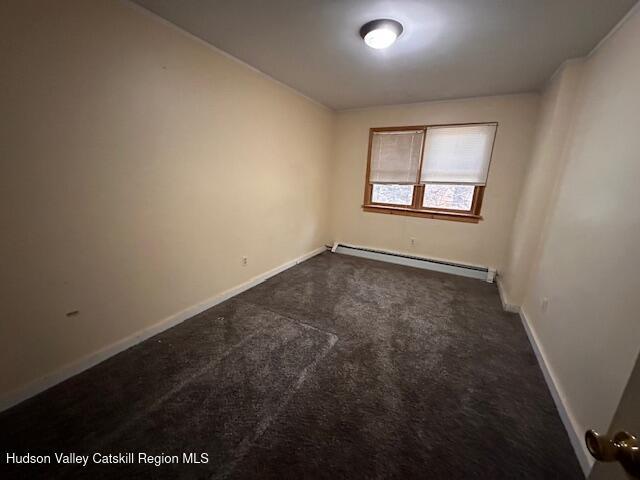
x=416, y=209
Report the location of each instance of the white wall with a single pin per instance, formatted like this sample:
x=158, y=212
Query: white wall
x=590, y=249
x=138, y=166
x=485, y=243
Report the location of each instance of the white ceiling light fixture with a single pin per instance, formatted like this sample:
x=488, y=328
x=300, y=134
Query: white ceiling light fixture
x=381, y=33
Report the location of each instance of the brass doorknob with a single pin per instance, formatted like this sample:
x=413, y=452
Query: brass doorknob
x=623, y=448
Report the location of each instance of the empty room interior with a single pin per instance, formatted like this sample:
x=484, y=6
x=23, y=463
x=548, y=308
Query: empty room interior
x=357, y=239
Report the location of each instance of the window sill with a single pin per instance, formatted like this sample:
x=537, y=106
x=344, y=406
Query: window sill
x=433, y=214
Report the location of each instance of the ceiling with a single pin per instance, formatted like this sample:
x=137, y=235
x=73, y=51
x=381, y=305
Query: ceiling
x=449, y=48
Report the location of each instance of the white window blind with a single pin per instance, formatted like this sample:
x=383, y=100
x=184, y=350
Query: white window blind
x=395, y=157
x=458, y=154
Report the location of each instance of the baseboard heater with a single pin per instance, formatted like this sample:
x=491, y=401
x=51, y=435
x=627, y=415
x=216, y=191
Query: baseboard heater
x=472, y=271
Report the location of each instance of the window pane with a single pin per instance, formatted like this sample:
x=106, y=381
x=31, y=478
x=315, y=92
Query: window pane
x=451, y=197
x=395, y=194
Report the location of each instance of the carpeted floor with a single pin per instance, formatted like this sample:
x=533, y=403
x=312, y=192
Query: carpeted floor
x=337, y=368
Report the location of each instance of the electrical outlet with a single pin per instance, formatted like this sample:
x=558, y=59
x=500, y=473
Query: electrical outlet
x=544, y=304
x=245, y=261
x=412, y=241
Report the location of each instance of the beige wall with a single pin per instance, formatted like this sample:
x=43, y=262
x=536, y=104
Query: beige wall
x=137, y=167
x=484, y=243
x=542, y=179
x=590, y=251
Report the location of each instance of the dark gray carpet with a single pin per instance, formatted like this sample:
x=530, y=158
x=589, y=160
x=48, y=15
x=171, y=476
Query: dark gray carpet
x=337, y=368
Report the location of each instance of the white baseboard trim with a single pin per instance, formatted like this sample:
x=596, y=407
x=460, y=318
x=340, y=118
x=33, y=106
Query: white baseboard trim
x=416, y=261
x=573, y=429
x=45, y=382
x=509, y=307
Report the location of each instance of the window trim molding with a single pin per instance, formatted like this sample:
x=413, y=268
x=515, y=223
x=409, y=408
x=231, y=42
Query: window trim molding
x=416, y=209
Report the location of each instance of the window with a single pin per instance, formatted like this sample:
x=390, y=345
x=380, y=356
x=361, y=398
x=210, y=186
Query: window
x=435, y=171
x=449, y=197
x=392, y=194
